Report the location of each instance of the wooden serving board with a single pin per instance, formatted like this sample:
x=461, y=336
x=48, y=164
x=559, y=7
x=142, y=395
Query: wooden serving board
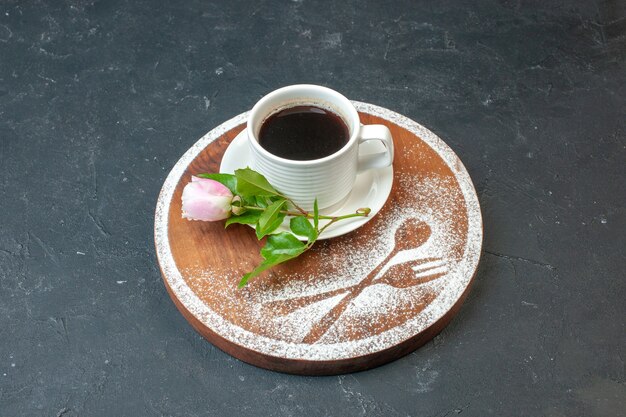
x=350, y=303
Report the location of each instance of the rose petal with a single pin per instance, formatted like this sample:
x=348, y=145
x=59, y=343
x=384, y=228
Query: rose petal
x=212, y=187
x=207, y=200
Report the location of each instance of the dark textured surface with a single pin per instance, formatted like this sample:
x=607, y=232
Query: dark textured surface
x=99, y=99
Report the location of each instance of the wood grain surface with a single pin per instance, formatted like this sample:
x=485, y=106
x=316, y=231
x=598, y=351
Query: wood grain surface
x=333, y=297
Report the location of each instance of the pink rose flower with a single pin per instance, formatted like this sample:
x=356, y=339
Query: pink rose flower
x=205, y=199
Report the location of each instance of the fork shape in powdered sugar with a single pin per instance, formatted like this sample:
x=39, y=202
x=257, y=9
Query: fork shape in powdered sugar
x=400, y=269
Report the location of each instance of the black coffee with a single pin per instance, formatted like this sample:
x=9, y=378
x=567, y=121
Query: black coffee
x=303, y=133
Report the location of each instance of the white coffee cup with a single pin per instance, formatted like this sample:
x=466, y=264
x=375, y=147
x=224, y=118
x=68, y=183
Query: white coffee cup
x=329, y=179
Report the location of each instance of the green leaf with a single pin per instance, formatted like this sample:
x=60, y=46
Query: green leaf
x=263, y=202
x=263, y=266
x=251, y=183
x=283, y=243
x=279, y=248
x=248, y=201
x=301, y=226
x=249, y=217
x=271, y=212
x=316, y=216
x=260, y=202
x=229, y=180
x=268, y=222
x=260, y=234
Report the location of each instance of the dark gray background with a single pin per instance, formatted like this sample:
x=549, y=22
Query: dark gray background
x=98, y=100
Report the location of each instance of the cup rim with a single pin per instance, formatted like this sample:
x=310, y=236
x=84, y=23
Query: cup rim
x=342, y=103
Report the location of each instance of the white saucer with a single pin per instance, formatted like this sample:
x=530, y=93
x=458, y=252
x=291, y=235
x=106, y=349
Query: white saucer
x=371, y=188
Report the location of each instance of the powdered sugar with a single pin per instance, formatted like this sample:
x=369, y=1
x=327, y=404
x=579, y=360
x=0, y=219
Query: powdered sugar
x=268, y=325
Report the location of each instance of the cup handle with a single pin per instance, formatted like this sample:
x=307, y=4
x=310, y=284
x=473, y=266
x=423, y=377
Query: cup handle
x=379, y=159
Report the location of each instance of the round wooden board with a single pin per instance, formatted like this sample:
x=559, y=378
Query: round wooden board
x=350, y=303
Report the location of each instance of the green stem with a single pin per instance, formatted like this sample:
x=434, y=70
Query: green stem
x=300, y=209
x=362, y=212
x=293, y=203
x=310, y=216
x=320, y=231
